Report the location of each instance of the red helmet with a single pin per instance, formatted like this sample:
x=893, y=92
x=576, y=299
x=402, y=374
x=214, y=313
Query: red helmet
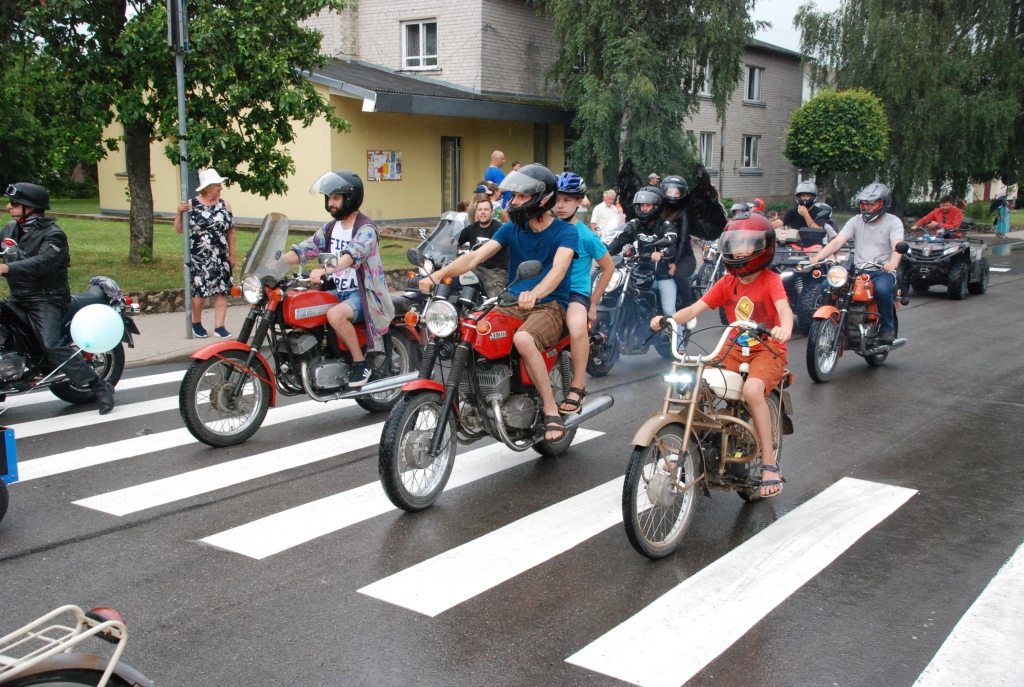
x=747, y=244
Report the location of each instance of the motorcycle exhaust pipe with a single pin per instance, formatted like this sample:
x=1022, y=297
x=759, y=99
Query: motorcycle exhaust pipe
x=597, y=405
x=386, y=384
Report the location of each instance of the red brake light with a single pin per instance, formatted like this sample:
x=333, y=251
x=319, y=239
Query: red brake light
x=103, y=614
x=129, y=301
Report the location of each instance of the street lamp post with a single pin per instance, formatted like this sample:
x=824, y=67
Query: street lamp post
x=177, y=38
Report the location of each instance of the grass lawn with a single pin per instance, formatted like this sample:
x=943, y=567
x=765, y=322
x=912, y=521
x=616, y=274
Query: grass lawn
x=101, y=248
x=76, y=206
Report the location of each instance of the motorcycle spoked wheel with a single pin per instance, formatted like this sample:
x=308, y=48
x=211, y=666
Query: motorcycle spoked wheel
x=822, y=353
x=108, y=366
x=603, y=357
x=405, y=358
x=655, y=513
x=879, y=358
x=560, y=386
x=411, y=477
x=67, y=678
x=208, y=408
x=752, y=470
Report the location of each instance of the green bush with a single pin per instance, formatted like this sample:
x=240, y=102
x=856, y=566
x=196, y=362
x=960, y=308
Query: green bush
x=979, y=212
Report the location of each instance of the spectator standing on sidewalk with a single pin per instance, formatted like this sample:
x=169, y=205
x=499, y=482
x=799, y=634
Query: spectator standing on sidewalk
x=494, y=174
x=1002, y=220
x=212, y=246
x=605, y=216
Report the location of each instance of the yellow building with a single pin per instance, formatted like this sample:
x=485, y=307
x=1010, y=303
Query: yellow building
x=442, y=135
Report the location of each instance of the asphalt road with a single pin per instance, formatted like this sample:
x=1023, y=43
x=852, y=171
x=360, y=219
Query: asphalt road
x=867, y=598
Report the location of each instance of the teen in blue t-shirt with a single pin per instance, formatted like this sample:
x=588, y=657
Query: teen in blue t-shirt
x=582, y=308
x=525, y=244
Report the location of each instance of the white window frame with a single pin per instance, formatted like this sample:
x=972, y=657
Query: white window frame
x=705, y=87
x=754, y=84
x=421, y=57
x=707, y=149
x=751, y=144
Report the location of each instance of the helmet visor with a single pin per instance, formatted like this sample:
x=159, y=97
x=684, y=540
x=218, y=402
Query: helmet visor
x=673, y=192
x=330, y=184
x=517, y=182
x=646, y=198
x=742, y=242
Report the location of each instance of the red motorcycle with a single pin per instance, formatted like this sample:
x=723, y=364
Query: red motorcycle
x=230, y=385
x=484, y=390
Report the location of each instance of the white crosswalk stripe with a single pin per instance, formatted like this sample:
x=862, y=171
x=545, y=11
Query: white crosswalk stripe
x=90, y=418
x=999, y=269
x=987, y=646
x=281, y=531
x=150, y=443
x=712, y=609
x=222, y=475
x=459, y=574
x=44, y=396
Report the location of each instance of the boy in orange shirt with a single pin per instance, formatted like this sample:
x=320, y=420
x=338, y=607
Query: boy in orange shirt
x=751, y=292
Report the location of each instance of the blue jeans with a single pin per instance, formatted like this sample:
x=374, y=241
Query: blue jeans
x=885, y=284
x=667, y=289
x=354, y=300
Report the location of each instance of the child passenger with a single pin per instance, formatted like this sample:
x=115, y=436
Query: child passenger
x=751, y=292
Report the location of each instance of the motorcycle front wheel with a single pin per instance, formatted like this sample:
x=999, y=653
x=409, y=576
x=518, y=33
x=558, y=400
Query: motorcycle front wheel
x=72, y=677
x=822, y=351
x=405, y=358
x=208, y=406
x=656, y=514
x=108, y=366
x=603, y=357
x=411, y=477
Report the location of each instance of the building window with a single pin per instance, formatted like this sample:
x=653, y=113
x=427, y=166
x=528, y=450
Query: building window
x=419, y=44
x=705, y=87
x=750, y=144
x=707, y=150
x=700, y=79
x=752, y=90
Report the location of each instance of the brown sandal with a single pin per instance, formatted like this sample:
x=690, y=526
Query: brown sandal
x=553, y=423
x=576, y=403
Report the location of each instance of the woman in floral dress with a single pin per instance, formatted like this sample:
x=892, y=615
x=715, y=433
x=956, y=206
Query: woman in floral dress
x=212, y=244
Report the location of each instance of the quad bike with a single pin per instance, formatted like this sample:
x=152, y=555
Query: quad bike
x=704, y=438
x=950, y=259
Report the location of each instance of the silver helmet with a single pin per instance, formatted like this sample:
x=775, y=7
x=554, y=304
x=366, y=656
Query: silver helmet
x=872, y=193
x=805, y=187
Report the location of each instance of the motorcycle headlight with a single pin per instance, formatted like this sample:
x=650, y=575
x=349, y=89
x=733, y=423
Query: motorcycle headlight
x=441, y=317
x=252, y=289
x=949, y=250
x=837, y=276
x=683, y=381
x=616, y=281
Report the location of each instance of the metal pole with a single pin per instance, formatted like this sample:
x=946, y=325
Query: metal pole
x=181, y=44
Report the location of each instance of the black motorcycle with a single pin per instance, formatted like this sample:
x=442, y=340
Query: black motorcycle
x=625, y=312
x=24, y=366
x=950, y=259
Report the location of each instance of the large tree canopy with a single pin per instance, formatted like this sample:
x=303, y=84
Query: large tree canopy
x=243, y=77
x=633, y=69
x=949, y=74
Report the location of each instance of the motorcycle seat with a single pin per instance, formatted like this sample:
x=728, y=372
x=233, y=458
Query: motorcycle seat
x=724, y=383
x=91, y=296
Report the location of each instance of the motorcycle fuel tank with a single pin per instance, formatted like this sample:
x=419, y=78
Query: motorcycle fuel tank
x=496, y=343
x=308, y=309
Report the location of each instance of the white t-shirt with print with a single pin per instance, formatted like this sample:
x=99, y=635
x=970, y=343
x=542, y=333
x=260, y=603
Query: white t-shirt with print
x=346, y=279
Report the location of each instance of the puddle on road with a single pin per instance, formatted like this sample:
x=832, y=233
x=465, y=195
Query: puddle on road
x=1007, y=254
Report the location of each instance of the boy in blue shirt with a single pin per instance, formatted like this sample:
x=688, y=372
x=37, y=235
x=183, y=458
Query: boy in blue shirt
x=582, y=304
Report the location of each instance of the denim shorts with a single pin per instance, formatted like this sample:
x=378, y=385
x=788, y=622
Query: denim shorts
x=355, y=301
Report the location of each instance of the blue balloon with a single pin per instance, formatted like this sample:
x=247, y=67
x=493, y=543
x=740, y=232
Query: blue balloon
x=97, y=328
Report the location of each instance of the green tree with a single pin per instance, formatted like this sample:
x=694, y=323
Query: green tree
x=243, y=74
x=837, y=131
x=632, y=70
x=950, y=76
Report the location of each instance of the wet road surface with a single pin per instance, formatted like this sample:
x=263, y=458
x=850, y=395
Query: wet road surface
x=278, y=562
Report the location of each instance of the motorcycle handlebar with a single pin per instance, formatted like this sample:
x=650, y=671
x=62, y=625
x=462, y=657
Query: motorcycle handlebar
x=741, y=325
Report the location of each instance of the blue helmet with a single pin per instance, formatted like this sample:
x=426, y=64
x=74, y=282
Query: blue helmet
x=571, y=184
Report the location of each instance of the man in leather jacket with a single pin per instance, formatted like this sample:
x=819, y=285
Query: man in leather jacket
x=647, y=228
x=37, y=275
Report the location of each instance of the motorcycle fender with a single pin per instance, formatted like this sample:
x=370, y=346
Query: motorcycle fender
x=409, y=333
x=90, y=662
x=787, y=410
x=825, y=312
x=424, y=384
x=648, y=430
x=215, y=349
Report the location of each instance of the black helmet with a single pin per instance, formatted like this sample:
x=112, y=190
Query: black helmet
x=873, y=193
x=340, y=183
x=803, y=188
x=539, y=183
x=29, y=195
x=675, y=189
x=648, y=195
x=821, y=213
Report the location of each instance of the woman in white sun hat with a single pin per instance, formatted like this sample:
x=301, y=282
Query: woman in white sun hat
x=212, y=244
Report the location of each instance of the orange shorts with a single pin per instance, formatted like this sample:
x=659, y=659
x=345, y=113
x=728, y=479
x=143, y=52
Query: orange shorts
x=763, y=365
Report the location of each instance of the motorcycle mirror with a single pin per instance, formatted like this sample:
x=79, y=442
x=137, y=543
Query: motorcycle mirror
x=415, y=257
x=902, y=247
x=330, y=261
x=10, y=246
x=529, y=270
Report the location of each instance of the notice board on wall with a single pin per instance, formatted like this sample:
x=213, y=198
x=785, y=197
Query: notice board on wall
x=384, y=165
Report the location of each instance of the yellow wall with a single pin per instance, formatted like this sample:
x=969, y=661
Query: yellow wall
x=318, y=149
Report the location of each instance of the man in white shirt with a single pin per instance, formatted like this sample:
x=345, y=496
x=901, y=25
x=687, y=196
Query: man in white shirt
x=605, y=216
x=875, y=233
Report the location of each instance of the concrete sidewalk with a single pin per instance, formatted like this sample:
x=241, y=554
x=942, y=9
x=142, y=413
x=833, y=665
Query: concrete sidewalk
x=162, y=338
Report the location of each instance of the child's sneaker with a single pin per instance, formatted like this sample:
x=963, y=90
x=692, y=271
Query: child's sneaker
x=222, y=332
x=198, y=331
